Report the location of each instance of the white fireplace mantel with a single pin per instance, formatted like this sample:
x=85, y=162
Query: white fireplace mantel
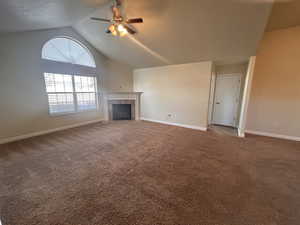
x=135, y=96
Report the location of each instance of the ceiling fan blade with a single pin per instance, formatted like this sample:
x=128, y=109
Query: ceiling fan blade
x=100, y=19
x=129, y=29
x=135, y=20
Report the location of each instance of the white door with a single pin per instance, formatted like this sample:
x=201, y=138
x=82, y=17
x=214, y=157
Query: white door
x=227, y=93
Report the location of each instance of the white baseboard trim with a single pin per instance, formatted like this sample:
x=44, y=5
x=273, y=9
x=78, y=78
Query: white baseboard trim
x=25, y=136
x=176, y=124
x=293, y=138
x=240, y=133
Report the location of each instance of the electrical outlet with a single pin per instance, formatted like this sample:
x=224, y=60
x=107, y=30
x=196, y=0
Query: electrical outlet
x=170, y=116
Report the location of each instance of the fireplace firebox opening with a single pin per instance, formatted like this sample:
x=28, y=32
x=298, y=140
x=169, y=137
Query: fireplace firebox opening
x=121, y=111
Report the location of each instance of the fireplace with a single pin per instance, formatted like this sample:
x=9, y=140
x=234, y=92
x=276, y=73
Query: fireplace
x=121, y=111
x=122, y=105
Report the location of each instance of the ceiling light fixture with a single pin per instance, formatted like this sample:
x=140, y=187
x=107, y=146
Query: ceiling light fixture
x=113, y=30
x=119, y=25
x=122, y=30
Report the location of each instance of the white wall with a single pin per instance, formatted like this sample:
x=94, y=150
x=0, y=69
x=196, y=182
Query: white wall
x=23, y=100
x=175, y=94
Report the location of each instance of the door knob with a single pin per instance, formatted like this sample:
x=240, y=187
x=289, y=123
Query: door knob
x=217, y=103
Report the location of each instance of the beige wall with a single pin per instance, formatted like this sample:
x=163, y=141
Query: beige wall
x=117, y=77
x=275, y=97
x=181, y=91
x=23, y=101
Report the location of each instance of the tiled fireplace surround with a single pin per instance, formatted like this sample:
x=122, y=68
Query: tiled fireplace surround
x=132, y=98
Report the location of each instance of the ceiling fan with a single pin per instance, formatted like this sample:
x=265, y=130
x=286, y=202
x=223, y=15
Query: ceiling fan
x=118, y=25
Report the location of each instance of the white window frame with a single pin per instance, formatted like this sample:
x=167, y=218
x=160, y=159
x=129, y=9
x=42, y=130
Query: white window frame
x=74, y=93
x=71, y=59
x=63, y=68
x=82, y=92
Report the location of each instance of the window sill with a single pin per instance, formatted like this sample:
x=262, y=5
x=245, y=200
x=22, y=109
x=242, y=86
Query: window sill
x=72, y=113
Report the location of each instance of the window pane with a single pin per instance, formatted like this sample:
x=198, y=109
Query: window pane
x=68, y=51
x=59, y=103
x=85, y=59
x=57, y=50
x=86, y=101
x=61, y=96
x=58, y=82
x=50, y=82
x=85, y=84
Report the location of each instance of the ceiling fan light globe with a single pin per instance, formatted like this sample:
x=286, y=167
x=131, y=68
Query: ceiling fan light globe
x=122, y=30
x=113, y=30
x=122, y=34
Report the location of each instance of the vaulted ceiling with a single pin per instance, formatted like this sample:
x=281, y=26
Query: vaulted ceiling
x=177, y=31
x=173, y=32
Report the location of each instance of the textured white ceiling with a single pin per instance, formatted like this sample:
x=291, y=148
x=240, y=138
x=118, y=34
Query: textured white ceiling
x=24, y=15
x=173, y=32
x=183, y=31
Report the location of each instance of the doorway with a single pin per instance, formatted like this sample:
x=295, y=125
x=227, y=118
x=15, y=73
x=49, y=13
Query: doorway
x=227, y=100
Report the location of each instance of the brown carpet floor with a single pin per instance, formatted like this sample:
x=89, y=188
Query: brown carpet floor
x=146, y=173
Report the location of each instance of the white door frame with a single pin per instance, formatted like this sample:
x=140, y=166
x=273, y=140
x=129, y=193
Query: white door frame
x=211, y=96
x=236, y=121
x=246, y=97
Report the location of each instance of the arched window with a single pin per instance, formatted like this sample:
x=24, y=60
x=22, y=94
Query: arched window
x=67, y=51
x=70, y=76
